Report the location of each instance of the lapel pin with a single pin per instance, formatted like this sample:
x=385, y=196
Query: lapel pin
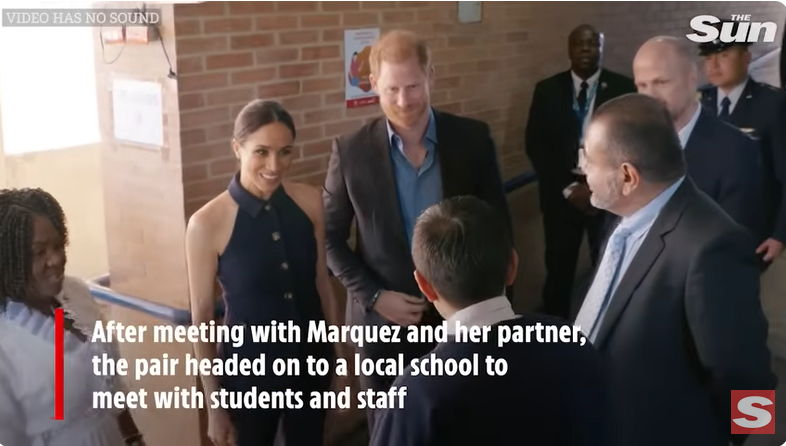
x=603, y=85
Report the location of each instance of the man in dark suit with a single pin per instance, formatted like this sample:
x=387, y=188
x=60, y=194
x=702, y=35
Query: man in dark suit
x=674, y=306
x=561, y=107
x=551, y=394
x=384, y=175
x=722, y=161
x=760, y=111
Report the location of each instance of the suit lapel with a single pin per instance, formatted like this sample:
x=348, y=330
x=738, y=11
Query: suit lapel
x=381, y=170
x=641, y=264
x=451, y=156
x=566, y=102
x=709, y=99
x=603, y=93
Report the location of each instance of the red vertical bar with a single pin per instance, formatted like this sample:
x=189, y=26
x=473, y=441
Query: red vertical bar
x=59, y=362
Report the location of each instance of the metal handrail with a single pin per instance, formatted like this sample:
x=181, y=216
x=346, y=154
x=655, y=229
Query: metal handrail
x=99, y=286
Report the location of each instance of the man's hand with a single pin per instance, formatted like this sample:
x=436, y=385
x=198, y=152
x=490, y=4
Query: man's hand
x=580, y=198
x=771, y=249
x=400, y=308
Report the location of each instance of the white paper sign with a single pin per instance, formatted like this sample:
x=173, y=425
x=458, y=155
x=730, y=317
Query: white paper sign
x=469, y=12
x=138, y=112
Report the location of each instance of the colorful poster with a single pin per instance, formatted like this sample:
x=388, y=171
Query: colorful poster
x=357, y=48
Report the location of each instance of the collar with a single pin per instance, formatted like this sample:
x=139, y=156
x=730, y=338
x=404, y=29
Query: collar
x=430, y=136
x=251, y=203
x=734, y=94
x=686, y=131
x=592, y=80
x=488, y=312
x=641, y=220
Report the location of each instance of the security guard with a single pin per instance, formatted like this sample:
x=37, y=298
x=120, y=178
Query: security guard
x=759, y=110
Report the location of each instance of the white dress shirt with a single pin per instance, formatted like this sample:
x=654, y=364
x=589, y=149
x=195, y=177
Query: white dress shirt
x=489, y=312
x=734, y=96
x=591, y=86
x=688, y=129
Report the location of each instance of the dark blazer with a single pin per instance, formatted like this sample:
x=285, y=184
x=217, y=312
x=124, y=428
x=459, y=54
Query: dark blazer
x=726, y=164
x=553, y=130
x=552, y=394
x=684, y=328
x=361, y=185
x=761, y=113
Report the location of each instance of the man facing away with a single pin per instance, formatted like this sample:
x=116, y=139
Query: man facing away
x=561, y=106
x=673, y=308
x=551, y=394
x=383, y=176
x=722, y=161
x=759, y=110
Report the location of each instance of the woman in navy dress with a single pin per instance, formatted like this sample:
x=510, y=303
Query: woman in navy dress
x=263, y=241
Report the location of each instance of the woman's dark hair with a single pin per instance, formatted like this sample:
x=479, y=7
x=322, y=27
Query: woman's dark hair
x=259, y=113
x=17, y=208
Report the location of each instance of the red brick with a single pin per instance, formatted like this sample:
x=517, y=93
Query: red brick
x=198, y=118
x=253, y=75
x=194, y=172
x=228, y=25
x=309, y=133
x=320, y=52
x=200, y=9
x=324, y=115
x=298, y=70
x=322, y=84
x=195, y=45
x=317, y=148
x=190, y=64
x=340, y=6
x=397, y=17
x=230, y=96
x=279, y=89
x=230, y=60
x=378, y=5
x=340, y=128
x=307, y=166
x=220, y=132
x=299, y=103
x=360, y=19
x=194, y=136
x=296, y=6
x=187, y=83
x=333, y=35
x=191, y=101
x=248, y=8
x=298, y=37
x=319, y=20
x=188, y=27
x=276, y=55
x=275, y=22
x=332, y=67
x=252, y=41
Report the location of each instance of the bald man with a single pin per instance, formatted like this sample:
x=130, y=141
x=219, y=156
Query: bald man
x=722, y=161
x=561, y=107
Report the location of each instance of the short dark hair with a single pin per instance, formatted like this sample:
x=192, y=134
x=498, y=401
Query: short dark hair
x=259, y=113
x=17, y=209
x=640, y=131
x=461, y=246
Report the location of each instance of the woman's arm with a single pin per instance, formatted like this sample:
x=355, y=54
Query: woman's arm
x=202, y=262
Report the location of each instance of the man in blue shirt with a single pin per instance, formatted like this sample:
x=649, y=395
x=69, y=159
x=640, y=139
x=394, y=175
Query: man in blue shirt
x=383, y=176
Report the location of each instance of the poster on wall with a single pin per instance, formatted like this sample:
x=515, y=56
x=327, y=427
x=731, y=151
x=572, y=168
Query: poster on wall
x=137, y=109
x=357, y=47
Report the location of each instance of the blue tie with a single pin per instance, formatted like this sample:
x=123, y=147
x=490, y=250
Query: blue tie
x=600, y=290
x=725, y=104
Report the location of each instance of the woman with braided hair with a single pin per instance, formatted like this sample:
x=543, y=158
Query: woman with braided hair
x=33, y=238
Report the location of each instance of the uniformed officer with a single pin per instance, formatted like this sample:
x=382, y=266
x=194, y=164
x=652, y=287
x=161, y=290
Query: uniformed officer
x=759, y=110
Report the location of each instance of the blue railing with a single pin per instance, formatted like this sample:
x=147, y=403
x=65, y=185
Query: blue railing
x=100, y=291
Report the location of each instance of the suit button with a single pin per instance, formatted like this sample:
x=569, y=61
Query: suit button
x=267, y=207
x=276, y=236
x=285, y=266
x=288, y=296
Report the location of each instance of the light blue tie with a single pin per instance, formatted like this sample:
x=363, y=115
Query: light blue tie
x=604, y=280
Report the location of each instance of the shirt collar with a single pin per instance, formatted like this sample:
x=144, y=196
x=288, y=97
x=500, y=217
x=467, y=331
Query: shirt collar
x=641, y=220
x=249, y=202
x=430, y=136
x=590, y=80
x=734, y=94
x=488, y=312
x=685, y=132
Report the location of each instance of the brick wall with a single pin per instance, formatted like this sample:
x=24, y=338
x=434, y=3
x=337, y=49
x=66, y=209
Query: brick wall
x=231, y=52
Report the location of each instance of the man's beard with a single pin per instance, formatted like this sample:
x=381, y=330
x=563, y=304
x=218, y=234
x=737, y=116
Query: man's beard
x=405, y=118
x=612, y=195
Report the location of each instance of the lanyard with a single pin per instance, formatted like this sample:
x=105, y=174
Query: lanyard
x=581, y=113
